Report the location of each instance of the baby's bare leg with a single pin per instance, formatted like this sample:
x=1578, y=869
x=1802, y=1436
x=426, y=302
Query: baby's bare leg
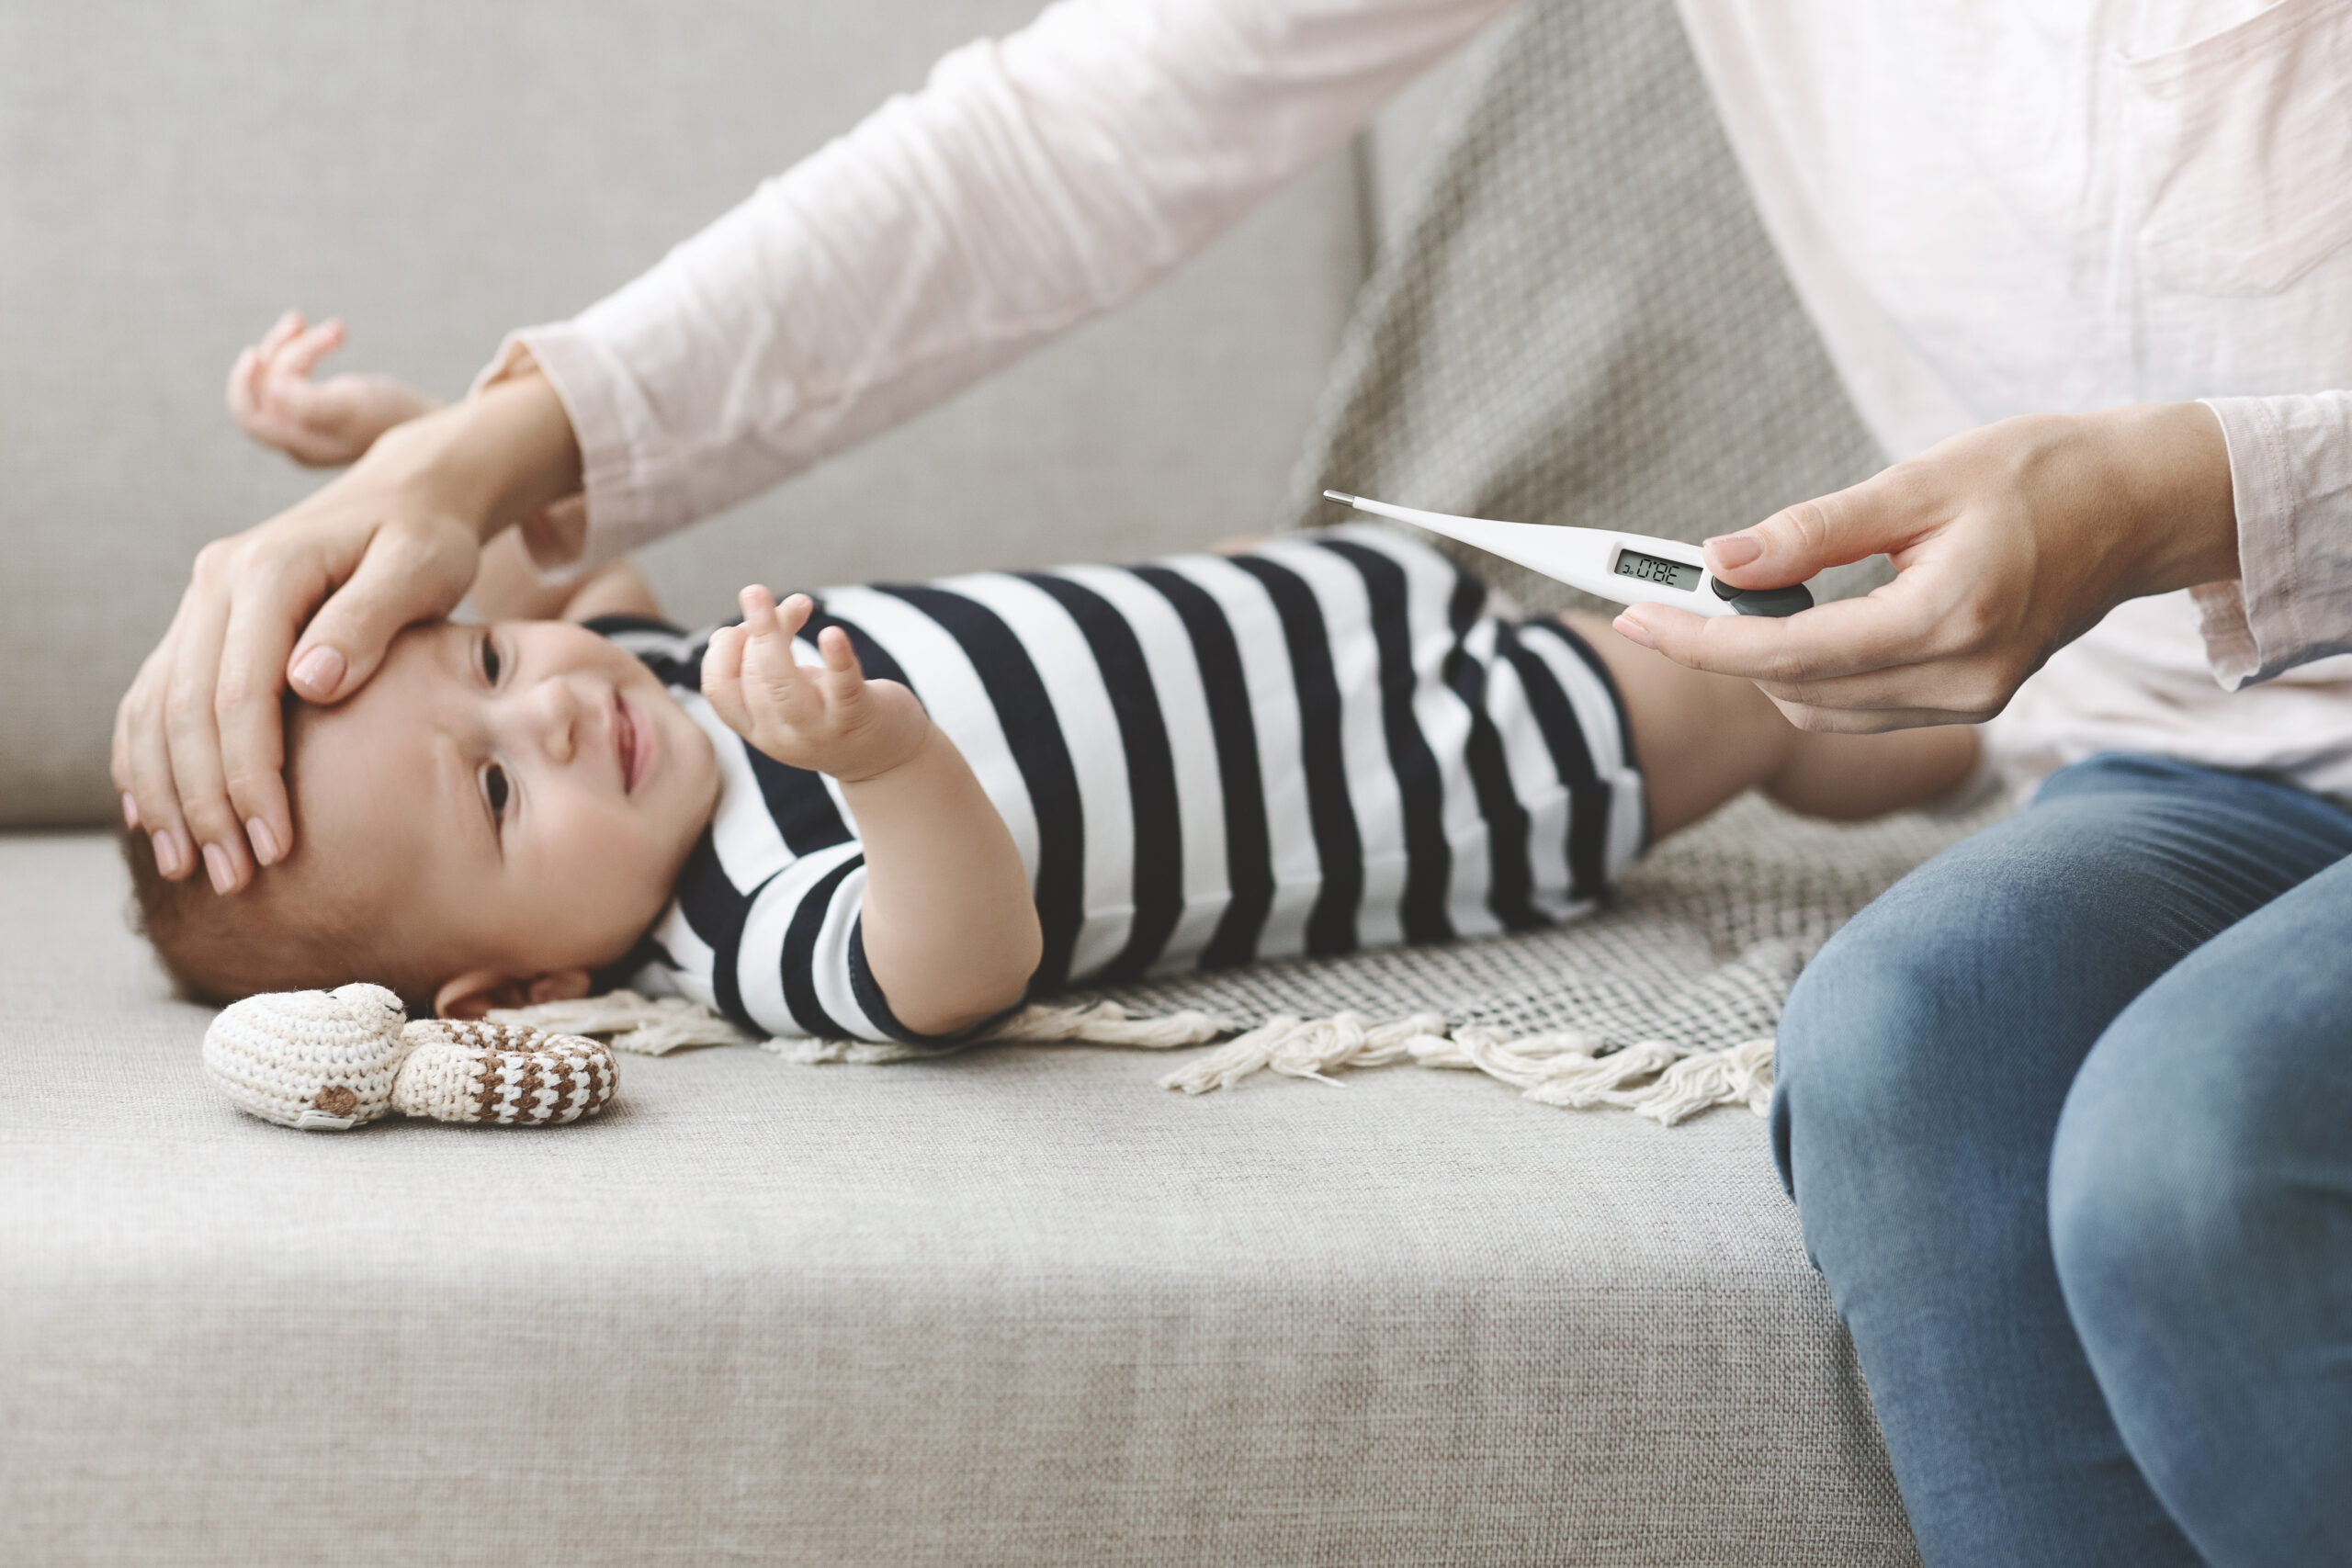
x=1849, y=777
x=1703, y=739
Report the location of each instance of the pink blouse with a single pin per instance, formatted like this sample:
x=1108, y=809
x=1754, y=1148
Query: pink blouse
x=1988, y=209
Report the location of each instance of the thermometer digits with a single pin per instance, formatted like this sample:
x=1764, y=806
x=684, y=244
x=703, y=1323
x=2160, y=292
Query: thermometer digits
x=1628, y=568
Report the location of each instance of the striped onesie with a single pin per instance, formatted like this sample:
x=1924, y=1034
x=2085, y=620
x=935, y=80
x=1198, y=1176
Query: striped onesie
x=1329, y=742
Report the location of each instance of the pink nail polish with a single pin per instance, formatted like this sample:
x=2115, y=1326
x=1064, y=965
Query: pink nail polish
x=129, y=812
x=1736, y=549
x=264, y=842
x=216, y=862
x=321, y=670
x=167, y=853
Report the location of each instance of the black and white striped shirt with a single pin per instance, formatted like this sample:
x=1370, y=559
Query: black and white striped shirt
x=1326, y=743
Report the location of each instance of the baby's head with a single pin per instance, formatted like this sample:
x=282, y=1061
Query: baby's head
x=502, y=810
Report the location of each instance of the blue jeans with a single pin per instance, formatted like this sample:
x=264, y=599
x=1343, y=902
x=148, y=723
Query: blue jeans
x=2067, y=1115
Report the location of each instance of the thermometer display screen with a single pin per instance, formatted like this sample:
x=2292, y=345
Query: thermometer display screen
x=1658, y=570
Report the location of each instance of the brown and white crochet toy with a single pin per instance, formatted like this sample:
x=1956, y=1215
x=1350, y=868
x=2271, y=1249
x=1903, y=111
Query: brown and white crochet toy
x=323, y=1061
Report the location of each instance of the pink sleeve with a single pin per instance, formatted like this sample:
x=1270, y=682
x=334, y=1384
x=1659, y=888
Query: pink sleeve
x=1033, y=182
x=2290, y=468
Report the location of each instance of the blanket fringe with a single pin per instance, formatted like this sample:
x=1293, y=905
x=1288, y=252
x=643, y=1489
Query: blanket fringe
x=1307, y=1048
x=1108, y=1023
x=1656, y=1078
x=1039, y=1023
x=651, y=1026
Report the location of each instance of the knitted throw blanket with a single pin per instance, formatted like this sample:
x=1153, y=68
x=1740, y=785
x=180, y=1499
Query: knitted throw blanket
x=1663, y=1004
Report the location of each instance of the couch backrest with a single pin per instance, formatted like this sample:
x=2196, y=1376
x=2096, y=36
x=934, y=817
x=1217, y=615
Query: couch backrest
x=437, y=171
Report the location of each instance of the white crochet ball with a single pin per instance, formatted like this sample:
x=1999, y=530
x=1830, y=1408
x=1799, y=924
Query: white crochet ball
x=317, y=1060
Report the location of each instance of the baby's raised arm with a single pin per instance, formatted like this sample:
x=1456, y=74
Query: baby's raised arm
x=949, y=927
x=319, y=423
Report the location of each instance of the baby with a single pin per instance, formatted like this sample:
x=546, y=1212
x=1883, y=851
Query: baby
x=896, y=812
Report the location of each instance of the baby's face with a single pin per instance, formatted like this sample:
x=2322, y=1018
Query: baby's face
x=519, y=796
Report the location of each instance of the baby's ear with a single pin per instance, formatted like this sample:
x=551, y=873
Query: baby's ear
x=474, y=993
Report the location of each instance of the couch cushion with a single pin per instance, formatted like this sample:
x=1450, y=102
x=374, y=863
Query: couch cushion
x=1019, y=1306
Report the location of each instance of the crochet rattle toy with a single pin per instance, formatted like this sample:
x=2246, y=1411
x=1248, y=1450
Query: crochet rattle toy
x=323, y=1061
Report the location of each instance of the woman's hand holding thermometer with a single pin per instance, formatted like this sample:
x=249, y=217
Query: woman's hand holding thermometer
x=2007, y=541
x=1631, y=568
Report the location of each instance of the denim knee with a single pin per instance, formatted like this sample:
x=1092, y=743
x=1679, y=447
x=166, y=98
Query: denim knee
x=2190, y=1229
x=1863, y=1049
x=2170, y=1189
x=2135, y=1198
x=2179, y=1202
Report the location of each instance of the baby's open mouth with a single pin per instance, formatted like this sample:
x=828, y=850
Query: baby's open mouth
x=630, y=736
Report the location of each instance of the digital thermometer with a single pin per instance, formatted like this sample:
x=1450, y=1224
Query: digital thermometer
x=1629, y=567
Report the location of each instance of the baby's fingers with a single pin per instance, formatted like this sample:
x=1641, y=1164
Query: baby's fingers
x=299, y=356
x=244, y=387
x=722, y=678
x=768, y=660
x=840, y=656
x=759, y=609
x=768, y=655
x=287, y=328
x=722, y=661
x=844, y=680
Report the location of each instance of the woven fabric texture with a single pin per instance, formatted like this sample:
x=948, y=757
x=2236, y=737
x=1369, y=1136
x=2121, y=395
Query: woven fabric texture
x=1582, y=320
x=1698, y=949
x=1020, y=1307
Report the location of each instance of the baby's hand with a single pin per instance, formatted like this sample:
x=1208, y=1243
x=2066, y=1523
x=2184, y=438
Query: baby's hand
x=318, y=424
x=831, y=718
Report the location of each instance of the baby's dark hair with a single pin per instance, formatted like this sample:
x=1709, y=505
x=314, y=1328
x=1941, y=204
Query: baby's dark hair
x=294, y=928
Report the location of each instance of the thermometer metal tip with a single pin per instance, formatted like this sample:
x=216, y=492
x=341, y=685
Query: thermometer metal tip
x=1343, y=497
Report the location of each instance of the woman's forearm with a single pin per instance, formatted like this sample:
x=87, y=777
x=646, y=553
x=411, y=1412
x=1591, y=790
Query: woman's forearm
x=1032, y=182
x=950, y=929
x=489, y=460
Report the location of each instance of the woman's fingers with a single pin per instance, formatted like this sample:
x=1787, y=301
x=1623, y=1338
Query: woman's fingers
x=271, y=602
x=144, y=771
x=415, y=571
x=1869, y=665
x=1846, y=637
x=1966, y=690
x=191, y=731
x=1882, y=515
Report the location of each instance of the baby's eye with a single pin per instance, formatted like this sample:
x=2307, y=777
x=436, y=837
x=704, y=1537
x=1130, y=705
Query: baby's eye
x=493, y=780
x=491, y=663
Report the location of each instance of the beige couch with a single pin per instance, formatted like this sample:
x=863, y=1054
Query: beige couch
x=1020, y=1307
